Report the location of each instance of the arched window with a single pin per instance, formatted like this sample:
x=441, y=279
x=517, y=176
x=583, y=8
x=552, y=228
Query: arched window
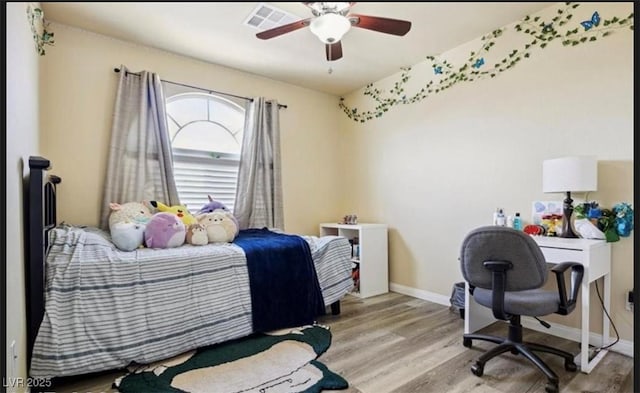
x=206, y=137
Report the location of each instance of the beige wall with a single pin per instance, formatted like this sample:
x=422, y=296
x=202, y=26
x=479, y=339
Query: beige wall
x=77, y=98
x=434, y=170
x=22, y=141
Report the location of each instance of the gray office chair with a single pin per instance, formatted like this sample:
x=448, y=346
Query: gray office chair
x=505, y=270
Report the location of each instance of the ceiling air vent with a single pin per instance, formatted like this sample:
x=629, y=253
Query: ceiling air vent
x=266, y=16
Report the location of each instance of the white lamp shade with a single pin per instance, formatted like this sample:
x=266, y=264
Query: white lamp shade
x=575, y=174
x=330, y=27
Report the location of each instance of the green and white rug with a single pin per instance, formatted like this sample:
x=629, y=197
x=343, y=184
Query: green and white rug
x=282, y=361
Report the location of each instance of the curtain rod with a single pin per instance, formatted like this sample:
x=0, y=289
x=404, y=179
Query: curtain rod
x=200, y=88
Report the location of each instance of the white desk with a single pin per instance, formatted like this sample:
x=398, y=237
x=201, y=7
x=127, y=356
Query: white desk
x=595, y=255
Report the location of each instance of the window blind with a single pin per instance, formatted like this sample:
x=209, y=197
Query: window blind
x=201, y=173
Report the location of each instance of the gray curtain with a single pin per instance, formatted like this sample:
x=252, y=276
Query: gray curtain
x=259, y=196
x=140, y=165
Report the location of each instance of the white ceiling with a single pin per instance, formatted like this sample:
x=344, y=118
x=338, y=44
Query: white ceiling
x=216, y=33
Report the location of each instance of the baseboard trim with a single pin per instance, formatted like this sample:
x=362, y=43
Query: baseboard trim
x=420, y=294
x=623, y=347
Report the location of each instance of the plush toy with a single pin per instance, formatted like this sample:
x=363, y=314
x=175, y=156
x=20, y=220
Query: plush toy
x=130, y=212
x=220, y=226
x=179, y=210
x=211, y=206
x=164, y=230
x=127, y=236
x=214, y=205
x=197, y=235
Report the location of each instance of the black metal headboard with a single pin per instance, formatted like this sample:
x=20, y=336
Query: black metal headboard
x=40, y=212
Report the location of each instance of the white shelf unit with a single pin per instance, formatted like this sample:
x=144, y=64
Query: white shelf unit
x=373, y=256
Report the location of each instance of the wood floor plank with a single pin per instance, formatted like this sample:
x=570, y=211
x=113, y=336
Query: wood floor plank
x=396, y=343
x=433, y=359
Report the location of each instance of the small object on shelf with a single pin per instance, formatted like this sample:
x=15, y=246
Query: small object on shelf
x=355, y=275
x=350, y=219
x=355, y=247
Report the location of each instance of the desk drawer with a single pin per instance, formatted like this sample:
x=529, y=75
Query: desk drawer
x=557, y=255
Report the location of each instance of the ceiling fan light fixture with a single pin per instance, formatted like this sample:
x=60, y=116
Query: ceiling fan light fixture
x=330, y=28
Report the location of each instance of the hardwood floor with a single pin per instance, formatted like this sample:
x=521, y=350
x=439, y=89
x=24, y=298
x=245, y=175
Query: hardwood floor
x=396, y=343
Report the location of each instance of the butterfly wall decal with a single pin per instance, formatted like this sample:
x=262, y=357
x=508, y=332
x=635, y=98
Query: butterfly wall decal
x=437, y=70
x=479, y=63
x=595, y=21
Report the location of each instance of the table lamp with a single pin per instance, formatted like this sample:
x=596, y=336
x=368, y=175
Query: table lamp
x=569, y=174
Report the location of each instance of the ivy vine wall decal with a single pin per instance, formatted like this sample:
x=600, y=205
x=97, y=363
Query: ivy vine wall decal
x=41, y=35
x=536, y=32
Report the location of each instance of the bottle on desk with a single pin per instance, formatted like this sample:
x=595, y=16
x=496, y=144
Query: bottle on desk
x=500, y=219
x=517, y=222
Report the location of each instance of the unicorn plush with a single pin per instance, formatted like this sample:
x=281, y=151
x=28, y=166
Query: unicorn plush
x=214, y=205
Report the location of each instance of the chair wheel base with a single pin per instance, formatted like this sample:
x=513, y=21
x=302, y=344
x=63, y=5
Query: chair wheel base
x=477, y=369
x=570, y=366
x=466, y=342
x=551, y=387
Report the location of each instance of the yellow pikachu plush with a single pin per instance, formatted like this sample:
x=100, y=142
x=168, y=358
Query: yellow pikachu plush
x=179, y=210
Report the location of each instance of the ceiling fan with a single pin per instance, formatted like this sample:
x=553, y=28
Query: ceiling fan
x=332, y=20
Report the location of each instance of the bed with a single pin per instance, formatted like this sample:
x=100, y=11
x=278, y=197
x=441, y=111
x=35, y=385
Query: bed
x=92, y=307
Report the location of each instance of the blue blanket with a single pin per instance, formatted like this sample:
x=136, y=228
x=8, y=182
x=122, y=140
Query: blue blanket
x=284, y=286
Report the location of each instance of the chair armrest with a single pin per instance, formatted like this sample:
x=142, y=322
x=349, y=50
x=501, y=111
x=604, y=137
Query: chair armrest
x=498, y=285
x=577, y=272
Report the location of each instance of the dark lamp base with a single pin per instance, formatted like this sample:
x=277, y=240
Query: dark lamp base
x=567, y=211
x=567, y=230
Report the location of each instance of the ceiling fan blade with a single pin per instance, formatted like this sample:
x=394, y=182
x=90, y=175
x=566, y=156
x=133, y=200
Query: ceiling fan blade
x=383, y=25
x=334, y=51
x=277, y=31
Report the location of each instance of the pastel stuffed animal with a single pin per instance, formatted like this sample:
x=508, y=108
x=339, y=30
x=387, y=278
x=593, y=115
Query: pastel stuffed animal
x=214, y=205
x=164, y=230
x=179, y=210
x=211, y=206
x=220, y=226
x=197, y=235
x=130, y=212
x=127, y=236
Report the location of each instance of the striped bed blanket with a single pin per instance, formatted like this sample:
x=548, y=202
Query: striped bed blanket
x=106, y=309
